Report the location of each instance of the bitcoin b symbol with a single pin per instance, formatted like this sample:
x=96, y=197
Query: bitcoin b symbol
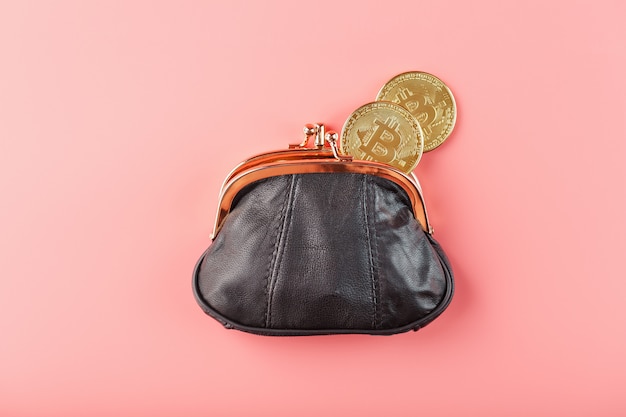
x=423, y=110
x=384, y=141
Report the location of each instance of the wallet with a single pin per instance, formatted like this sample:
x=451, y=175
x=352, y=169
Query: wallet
x=309, y=242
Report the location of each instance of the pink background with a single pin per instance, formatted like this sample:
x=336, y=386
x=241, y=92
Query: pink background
x=119, y=120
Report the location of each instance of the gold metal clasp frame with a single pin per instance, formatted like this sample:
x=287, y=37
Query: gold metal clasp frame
x=299, y=159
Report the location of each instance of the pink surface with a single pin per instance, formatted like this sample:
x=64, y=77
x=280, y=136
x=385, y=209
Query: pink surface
x=119, y=120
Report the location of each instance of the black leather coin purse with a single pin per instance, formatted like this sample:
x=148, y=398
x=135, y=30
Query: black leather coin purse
x=308, y=241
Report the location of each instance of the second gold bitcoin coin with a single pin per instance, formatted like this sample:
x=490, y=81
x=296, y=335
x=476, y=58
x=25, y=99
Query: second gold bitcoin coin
x=383, y=132
x=428, y=99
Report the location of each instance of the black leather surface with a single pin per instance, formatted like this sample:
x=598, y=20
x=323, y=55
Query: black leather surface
x=323, y=253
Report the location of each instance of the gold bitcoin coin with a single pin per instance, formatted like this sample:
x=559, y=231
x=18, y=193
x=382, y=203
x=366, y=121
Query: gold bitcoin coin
x=383, y=132
x=428, y=99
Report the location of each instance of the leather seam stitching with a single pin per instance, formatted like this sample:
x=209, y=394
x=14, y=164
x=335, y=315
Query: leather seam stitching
x=272, y=262
x=280, y=248
x=369, y=249
x=375, y=258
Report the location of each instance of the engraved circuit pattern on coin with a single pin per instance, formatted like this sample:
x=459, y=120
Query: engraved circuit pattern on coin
x=383, y=132
x=428, y=99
